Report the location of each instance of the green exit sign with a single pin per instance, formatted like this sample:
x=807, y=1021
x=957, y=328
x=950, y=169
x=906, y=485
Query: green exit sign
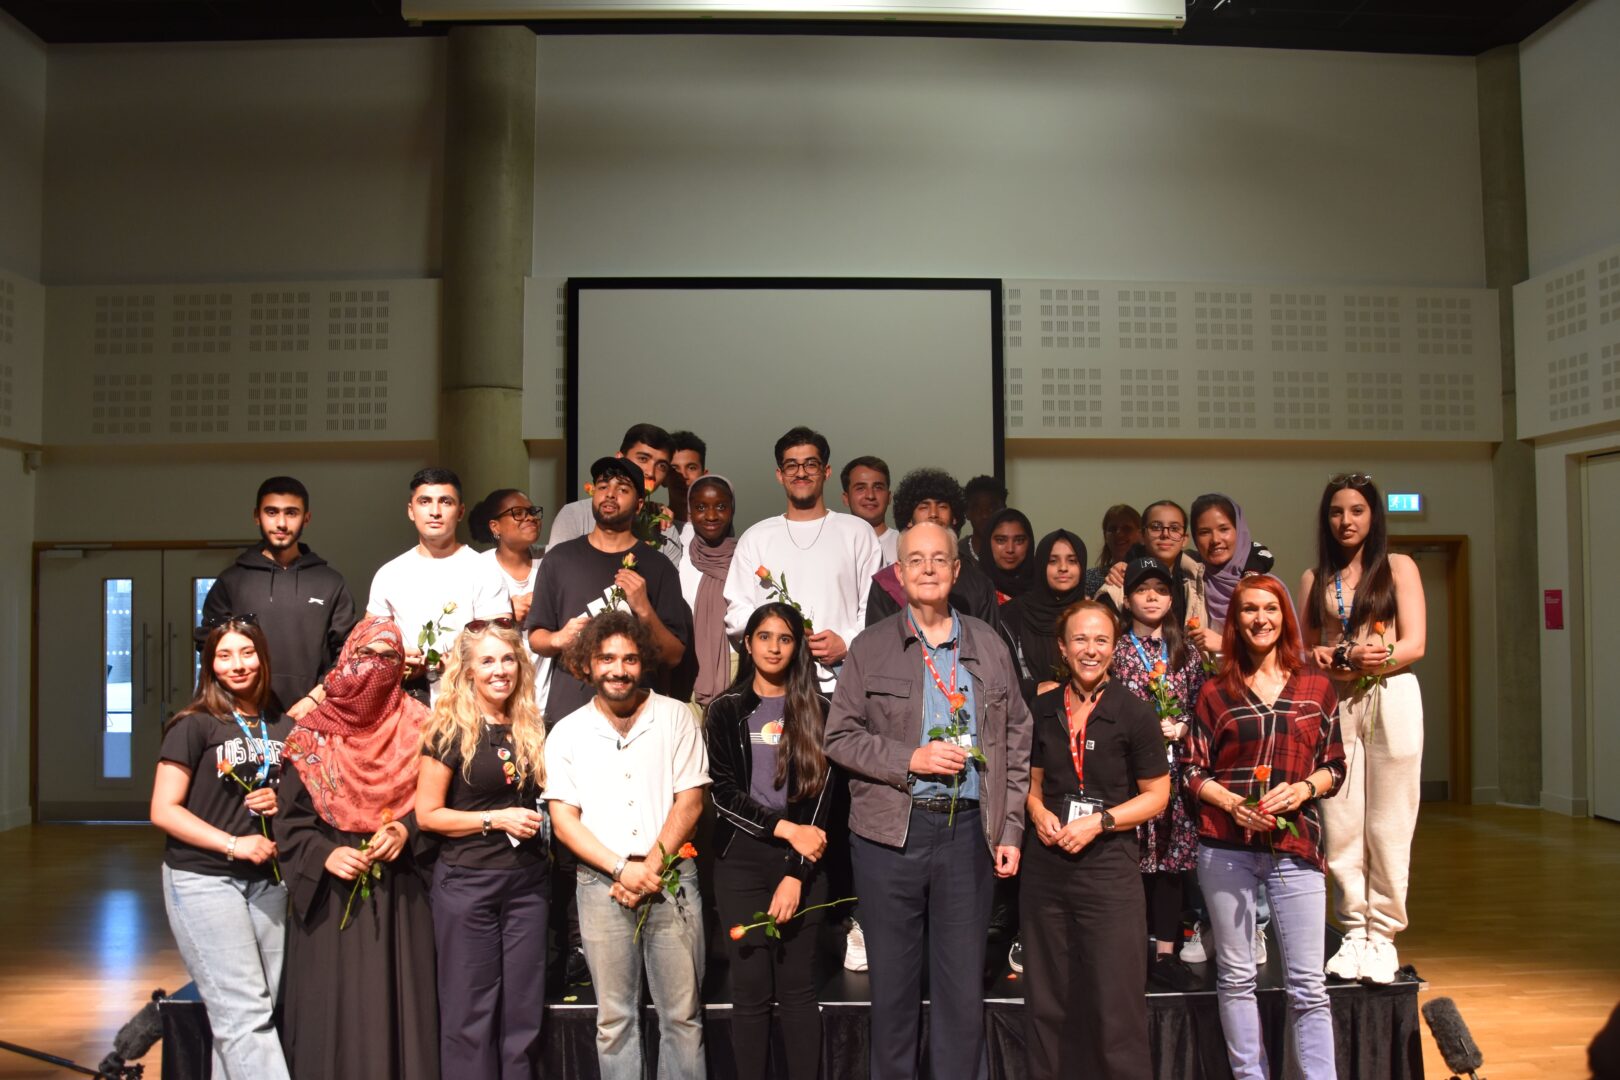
x=1403, y=502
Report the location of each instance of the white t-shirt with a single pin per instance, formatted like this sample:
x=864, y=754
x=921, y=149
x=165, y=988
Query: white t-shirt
x=414, y=589
x=625, y=785
x=828, y=562
x=691, y=576
x=511, y=588
x=889, y=541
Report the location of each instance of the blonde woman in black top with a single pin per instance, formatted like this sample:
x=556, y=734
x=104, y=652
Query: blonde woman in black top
x=482, y=771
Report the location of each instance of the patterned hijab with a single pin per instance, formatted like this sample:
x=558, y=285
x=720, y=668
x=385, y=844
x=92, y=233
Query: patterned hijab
x=357, y=752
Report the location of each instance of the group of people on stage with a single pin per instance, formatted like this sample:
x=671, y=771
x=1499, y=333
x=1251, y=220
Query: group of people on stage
x=386, y=827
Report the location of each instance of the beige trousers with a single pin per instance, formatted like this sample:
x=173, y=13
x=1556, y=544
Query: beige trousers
x=1368, y=823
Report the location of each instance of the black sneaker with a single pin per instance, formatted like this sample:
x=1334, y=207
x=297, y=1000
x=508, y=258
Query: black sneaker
x=578, y=972
x=1168, y=973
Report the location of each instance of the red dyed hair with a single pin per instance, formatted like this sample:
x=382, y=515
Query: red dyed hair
x=1236, y=663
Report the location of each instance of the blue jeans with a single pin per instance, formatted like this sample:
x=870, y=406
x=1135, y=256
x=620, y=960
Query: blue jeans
x=1230, y=880
x=232, y=935
x=670, y=953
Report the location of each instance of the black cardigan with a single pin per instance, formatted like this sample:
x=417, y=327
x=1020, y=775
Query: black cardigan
x=731, y=772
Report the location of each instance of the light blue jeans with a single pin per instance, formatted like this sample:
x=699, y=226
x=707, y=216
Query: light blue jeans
x=670, y=953
x=232, y=935
x=1230, y=880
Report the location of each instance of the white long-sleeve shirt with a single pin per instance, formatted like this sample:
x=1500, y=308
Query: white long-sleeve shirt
x=828, y=563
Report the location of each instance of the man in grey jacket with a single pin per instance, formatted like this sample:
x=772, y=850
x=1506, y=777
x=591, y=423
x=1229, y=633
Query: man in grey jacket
x=929, y=723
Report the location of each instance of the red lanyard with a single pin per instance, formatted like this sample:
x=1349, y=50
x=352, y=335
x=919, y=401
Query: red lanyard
x=1077, y=739
x=950, y=691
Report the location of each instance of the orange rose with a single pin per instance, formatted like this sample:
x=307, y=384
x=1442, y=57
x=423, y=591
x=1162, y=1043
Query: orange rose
x=1192, y=622
x=1262, y=773
x=763, y=574
x=225, y=768
x=1379, y=628
x=1158, y=670
x=387, y=815
x=687, y=851
x=651, y=485
x=737, y=932
x=590, y=489
x=958, y=702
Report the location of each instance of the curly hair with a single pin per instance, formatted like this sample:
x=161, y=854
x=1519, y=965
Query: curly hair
x=920, y=484
x=608, y=624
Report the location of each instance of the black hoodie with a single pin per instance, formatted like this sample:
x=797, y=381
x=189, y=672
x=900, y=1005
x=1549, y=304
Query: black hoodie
x=304, y=610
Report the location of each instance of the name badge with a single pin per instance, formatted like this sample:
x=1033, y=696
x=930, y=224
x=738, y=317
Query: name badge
x=1091, y=744
x=1170, y=752
x=1076, y=807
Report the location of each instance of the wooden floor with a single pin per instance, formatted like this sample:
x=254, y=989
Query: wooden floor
x=1510, y=917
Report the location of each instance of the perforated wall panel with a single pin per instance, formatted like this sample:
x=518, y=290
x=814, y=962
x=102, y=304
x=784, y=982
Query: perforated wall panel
x=22, y=357
x=1567, y=333
x=545, y=351
x=262, y=362
x=1194, y=360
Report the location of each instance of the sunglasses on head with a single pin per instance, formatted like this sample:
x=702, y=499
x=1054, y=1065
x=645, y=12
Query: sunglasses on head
x=500, y=622
x=1358, y=479
x=214, y=622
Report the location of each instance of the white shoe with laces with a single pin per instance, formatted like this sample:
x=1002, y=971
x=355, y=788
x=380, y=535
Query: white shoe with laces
x=1347, y=963
x=1259, y=944
x=855, y=949
x=1379, y=964
x=1193, y=951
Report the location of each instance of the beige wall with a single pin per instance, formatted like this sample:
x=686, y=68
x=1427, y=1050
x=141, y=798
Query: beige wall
x=1070, y=484
x=22, y=147
x=16, y=632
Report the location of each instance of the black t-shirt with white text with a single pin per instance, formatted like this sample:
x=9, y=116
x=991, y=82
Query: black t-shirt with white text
x=574, y=579
x=202, y=743
x=488, y=785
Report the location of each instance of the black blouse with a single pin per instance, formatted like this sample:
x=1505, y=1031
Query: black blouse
x=489, y=787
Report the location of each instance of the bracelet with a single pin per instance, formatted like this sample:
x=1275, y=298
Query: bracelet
x=230, y=850
x=618, y=868
x=1314, y=792
x=488, y=821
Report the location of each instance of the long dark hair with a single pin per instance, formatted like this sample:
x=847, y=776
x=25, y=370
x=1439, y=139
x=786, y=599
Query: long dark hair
x=803, y=724
x=1236, y=663
x=1375, y=593
x=211, y=698
x=1175, y=638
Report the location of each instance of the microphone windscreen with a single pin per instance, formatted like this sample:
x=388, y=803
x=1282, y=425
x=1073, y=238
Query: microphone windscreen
x=1451, y=1035
x=140, y=1034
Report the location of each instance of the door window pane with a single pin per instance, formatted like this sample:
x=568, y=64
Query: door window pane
x=199, y=593
x=118, y=695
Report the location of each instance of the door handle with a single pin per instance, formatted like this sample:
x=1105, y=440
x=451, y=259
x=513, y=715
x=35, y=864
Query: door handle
x=169, y=655
x=146, y=663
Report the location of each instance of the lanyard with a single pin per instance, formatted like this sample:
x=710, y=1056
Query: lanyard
x=1141, y=654
x=263, y=743
x=1338, y=595
x=934, y=671
x=1077, y=738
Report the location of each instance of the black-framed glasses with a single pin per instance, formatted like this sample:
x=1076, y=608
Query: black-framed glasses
x=1164, y=528
x=246, y=618
x=518, y=513
x=500, y=622
x=801, y=468
x=1359, y=479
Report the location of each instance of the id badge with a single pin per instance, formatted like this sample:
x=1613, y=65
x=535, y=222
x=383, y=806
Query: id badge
x=1076, y=807
x=964, y=740
x=1170, y=752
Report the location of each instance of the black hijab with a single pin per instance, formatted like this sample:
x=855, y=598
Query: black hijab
x=1032, y=618
x=1019, y=579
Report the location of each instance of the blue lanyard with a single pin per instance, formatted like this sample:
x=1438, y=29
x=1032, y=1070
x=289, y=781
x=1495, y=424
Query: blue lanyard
x=1141, y=654
x=263, y=743
x=1338, y=594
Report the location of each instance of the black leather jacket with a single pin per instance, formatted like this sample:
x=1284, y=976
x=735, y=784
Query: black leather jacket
x=731, y=771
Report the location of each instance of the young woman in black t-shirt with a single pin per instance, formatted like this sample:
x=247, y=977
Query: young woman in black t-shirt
x=214, y=790
x=482, y=770
x=771, y=798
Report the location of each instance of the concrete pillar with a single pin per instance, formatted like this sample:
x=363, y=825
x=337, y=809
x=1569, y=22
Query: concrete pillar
x=488, y=246
x=1513, y=472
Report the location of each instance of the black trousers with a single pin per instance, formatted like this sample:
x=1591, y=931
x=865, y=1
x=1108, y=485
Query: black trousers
x=489, y=927
x=745, y=879
x=935, y=889
x=1085, y=962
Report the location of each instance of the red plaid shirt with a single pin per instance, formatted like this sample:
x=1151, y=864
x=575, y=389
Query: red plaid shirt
x=1296, y=736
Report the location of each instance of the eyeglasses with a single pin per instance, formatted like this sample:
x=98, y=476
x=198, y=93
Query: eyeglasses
x=917, y=563
x=247, y=618
x=1160, y=528
x=518, y=513
x=500, y=622
x=802, y=468
x=1358, y=479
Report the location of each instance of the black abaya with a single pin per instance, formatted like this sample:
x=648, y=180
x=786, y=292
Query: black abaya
x=360, y=1003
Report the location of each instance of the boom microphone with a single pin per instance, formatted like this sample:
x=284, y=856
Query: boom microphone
x=134, y=1040
x=1457, y=1046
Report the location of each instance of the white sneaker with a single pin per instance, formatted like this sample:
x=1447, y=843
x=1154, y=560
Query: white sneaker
x=1015, y=955
x=1259, y=944
x=855, y=948
x=1193, y=951
x=1379, y=964
x=1347, y=963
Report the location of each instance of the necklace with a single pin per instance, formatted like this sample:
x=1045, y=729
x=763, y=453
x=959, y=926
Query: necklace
x=812, y=543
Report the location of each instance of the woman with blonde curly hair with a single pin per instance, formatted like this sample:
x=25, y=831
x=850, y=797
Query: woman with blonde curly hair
x=482, y=770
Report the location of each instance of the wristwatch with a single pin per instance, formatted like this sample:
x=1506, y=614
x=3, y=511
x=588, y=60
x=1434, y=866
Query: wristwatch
x=488, y=821
x=618, y=867
x=230, y=850
x=1107, y=821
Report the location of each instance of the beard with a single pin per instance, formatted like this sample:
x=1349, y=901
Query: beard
x=615, y=691
x=804, y=502
x=291, y=541
x=618, y=522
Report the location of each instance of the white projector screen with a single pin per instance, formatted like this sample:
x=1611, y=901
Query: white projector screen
x=907, y=370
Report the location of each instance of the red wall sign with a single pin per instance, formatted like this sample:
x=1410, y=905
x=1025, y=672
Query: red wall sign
x=1552, y=602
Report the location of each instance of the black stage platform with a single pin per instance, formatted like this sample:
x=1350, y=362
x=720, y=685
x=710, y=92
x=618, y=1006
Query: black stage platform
x=1376, y=1029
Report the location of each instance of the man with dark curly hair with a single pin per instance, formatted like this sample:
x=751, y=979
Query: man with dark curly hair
x=932, y=495
x=625, y=775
